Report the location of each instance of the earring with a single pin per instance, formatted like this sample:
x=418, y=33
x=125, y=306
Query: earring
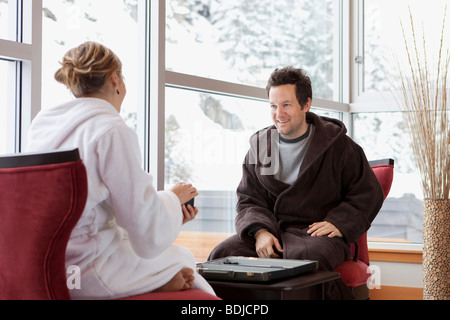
x=118, y=92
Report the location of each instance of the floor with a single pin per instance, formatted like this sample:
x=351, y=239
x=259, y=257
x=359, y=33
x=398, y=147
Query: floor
x=200, y=243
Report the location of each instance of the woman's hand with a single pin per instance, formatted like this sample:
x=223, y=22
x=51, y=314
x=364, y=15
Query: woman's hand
x=189, y=213
x=184, y=191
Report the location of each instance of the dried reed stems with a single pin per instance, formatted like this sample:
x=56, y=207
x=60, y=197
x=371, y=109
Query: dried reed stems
x=427, y=114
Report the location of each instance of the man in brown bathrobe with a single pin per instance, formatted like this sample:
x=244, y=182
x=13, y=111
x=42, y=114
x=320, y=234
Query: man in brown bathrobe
x=307, y=190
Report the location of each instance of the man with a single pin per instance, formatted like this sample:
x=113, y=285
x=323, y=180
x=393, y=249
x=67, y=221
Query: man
x=307, y=190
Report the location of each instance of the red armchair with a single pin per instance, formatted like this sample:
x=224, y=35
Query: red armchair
x=354, y=272
x=42, y=196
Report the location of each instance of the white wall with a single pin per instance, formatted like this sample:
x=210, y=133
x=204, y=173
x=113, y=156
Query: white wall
x=399, y=274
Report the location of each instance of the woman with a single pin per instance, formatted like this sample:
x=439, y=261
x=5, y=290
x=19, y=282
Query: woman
x=123, y=240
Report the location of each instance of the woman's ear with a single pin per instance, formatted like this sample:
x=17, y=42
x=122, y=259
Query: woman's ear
x=115, y=81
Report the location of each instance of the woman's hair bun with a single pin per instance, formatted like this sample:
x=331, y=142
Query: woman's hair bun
x=85, y=69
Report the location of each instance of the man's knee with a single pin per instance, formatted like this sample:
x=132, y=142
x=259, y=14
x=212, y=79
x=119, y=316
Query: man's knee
x=328, y=252
x=329, y=257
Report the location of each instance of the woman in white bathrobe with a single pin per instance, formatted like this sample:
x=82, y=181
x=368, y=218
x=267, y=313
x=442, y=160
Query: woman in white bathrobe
x=123, y=242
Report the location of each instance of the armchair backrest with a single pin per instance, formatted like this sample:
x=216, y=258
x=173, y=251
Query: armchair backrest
x=42, y=196
x=384, y=170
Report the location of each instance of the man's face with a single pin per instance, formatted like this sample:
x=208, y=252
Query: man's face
x=287, y=114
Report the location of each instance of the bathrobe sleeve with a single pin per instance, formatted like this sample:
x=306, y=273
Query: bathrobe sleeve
x=254, y=207
x=362, y=195
x=152, y=219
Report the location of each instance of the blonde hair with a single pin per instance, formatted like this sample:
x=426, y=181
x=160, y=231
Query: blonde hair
x=86, y=68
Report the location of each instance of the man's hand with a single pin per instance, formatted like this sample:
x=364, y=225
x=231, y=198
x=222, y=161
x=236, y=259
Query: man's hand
x=324, y=228
x=265, y=242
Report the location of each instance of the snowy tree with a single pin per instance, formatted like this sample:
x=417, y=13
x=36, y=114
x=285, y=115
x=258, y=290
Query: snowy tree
x=176, y=167
x=255, y=37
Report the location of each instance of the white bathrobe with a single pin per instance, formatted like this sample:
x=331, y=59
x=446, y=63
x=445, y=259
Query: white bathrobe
x=123, y=242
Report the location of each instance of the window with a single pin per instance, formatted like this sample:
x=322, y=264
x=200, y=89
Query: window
x=383, y=135
x=381, y=130
x=216, y=58
x=383, y=39
x=6, y=31
x=206, y=141
x=19, y=61
x=67, y=24
x=384, y=42
x=243, y=41
x=6, y=111
x=6, y=114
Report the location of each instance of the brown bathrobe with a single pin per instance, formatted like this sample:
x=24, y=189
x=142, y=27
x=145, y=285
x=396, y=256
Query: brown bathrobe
x=335, y=184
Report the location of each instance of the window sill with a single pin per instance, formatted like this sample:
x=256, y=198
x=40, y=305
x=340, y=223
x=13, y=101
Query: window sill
x=201, y=244
x=395, y=251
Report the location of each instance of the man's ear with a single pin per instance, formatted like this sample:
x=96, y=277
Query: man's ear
x=307, y=105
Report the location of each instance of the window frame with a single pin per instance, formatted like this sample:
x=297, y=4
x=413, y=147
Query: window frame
x=154, y=78
x=352, y=99
x=371, y=102
x=26, y=23
x=157, y=80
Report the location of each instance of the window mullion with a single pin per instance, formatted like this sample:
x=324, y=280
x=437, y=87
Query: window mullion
x=155, y=87
x=31, y=77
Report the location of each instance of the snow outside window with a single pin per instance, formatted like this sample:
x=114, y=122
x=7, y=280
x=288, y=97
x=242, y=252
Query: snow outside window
x=6, y=115
x=382, y=132
x=243, y=41
x=67, y=24
x=4, y=20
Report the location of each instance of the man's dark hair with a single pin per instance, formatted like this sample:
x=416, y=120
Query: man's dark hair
x=291, y=75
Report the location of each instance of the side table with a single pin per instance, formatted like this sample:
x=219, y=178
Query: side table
x=309, y=286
